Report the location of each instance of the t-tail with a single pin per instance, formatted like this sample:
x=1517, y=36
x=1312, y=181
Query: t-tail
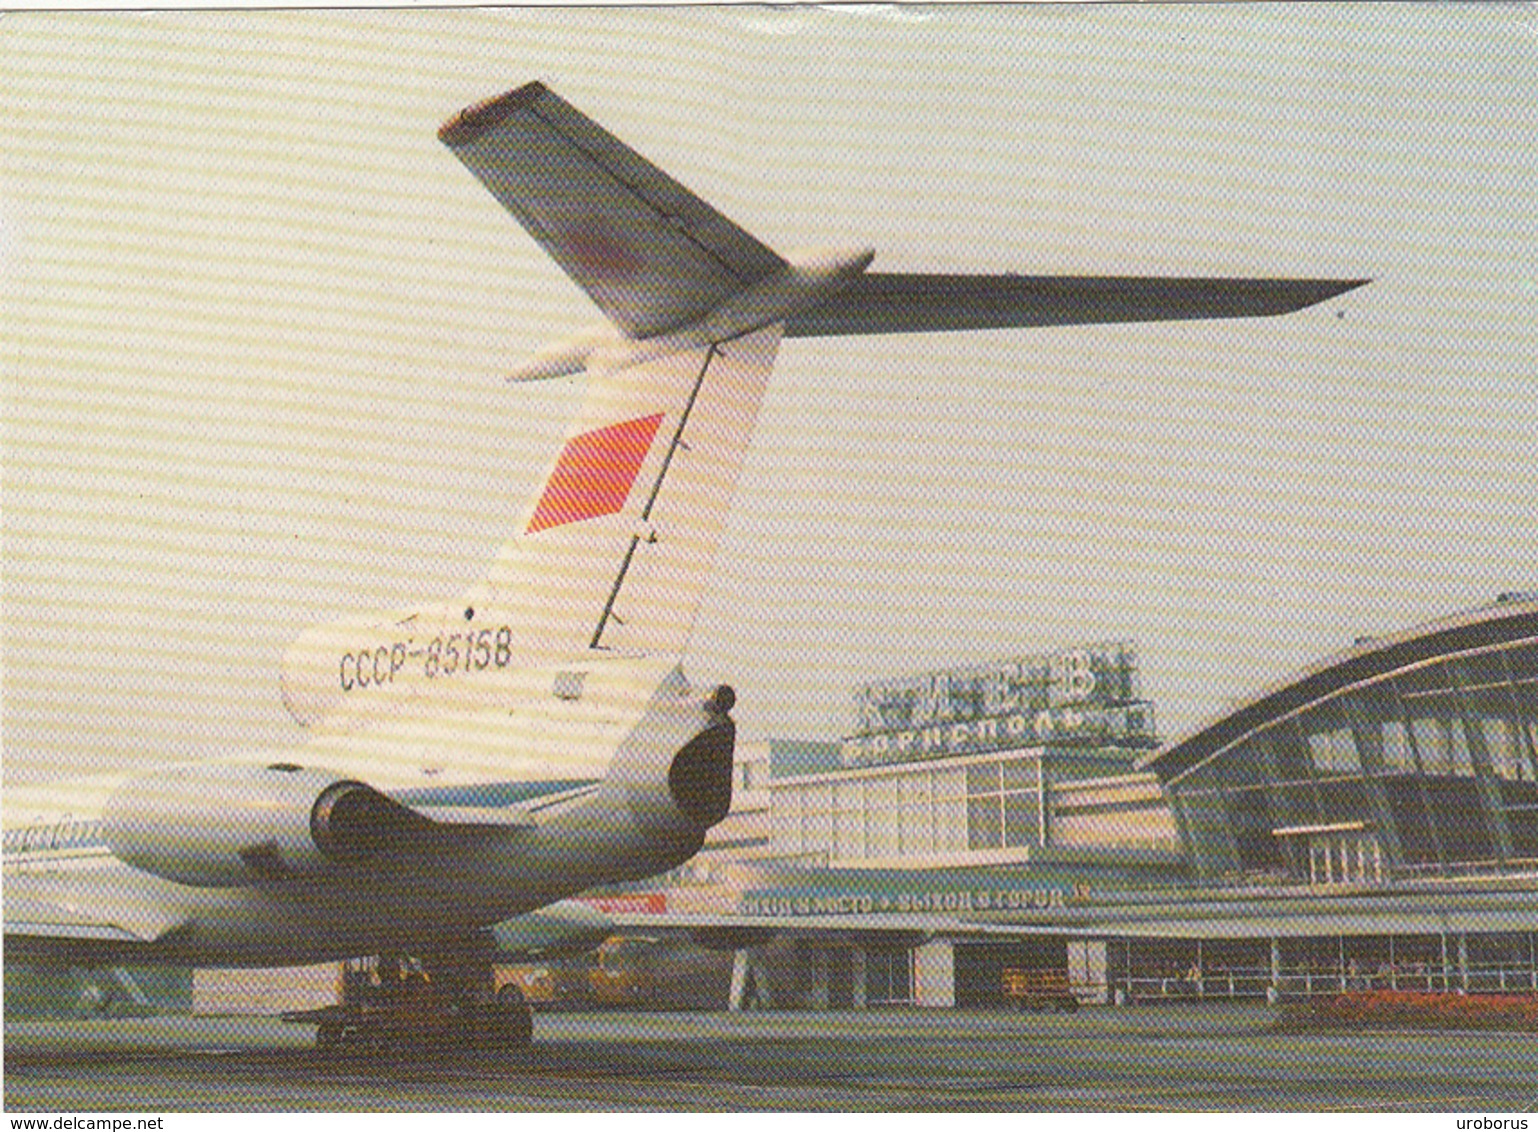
x=612, y=554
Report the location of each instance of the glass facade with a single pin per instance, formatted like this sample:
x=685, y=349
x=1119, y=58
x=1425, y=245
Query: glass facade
x=915, y=811
x=1426, y=768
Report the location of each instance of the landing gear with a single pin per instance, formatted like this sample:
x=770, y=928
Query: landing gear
x=514, y=1018
x=329, y=1033
x=398, y=1003
x=495, y=1025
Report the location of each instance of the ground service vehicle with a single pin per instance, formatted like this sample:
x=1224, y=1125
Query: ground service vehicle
x=1031, y=989
x=395, y=1003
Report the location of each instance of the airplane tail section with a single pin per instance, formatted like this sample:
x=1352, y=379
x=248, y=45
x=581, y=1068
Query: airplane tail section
x=613, y=553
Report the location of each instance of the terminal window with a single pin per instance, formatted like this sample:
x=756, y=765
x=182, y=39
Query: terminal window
x=1003, y=805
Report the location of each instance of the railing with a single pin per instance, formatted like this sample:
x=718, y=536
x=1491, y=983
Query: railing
x=1302, y=982
x=1413, y=875
x=1494, y=978
x=1236, y=982
x=1519, y=867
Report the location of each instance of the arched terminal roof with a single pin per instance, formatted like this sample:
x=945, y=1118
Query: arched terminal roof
x=1511, y=618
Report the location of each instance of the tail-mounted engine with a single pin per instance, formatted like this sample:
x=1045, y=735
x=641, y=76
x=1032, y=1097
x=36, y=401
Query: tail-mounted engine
x=674, y=771
x=700, y=777
x=214, y=826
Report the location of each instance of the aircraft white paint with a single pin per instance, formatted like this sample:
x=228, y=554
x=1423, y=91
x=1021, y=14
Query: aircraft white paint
x=471, y=762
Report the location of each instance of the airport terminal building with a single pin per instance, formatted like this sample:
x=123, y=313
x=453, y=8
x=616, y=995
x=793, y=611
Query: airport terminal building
x=1409, y=757
x=1370, y=821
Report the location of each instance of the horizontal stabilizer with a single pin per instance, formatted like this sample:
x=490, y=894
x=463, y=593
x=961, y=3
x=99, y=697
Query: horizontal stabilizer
x=651, y=254
x=886, y=303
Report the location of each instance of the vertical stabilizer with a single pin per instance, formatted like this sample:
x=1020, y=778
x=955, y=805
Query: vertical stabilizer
x=656, y=600
x=614, y=551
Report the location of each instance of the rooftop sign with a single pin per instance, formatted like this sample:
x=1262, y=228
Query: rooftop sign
x=1082, y=696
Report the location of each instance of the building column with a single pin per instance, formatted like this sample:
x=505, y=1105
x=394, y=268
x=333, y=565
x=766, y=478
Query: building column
x=1089, y=970
x=738, y=992
x=750, y=983
x=817, y=997
x=934, y=973
x=1463, y=961
x=857, y=970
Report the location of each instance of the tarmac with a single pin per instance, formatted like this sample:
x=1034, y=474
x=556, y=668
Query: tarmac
x=1166, y=1058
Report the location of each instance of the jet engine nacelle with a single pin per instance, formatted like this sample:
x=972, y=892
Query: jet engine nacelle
x=215, y=826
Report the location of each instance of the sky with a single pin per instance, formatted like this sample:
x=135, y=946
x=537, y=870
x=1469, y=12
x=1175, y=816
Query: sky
x=256, y=320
